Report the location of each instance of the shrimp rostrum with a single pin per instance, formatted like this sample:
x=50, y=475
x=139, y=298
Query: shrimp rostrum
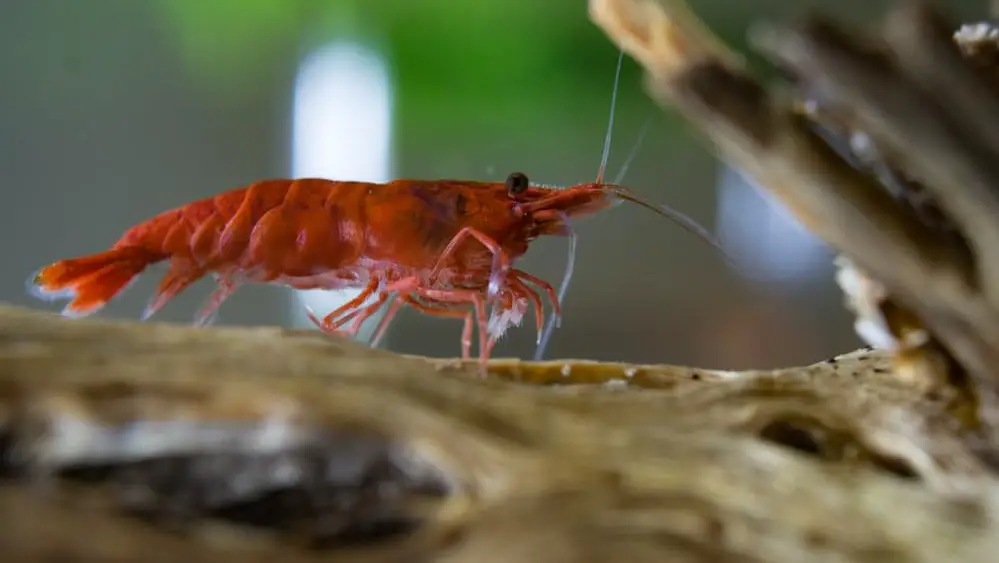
x=438, y=246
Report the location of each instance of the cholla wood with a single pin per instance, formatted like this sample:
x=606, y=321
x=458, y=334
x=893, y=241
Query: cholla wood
x=162, y=443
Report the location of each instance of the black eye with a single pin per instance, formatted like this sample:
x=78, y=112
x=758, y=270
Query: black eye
x=517, y=183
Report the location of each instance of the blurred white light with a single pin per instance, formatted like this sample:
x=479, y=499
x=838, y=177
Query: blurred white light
x=764, y=239
x=342, y=130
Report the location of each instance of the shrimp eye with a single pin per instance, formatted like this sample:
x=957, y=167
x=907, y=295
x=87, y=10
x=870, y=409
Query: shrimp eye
x=517, y=183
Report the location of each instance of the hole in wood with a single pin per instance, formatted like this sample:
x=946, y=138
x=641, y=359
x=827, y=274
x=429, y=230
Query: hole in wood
x=327, y=489
x=793, y=435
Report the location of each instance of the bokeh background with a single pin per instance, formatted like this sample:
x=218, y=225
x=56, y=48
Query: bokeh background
x=114, y=110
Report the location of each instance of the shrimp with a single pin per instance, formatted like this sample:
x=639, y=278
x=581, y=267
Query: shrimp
x=438, y=246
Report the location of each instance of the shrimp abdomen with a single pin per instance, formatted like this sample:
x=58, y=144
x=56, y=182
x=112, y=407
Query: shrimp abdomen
x=272, y=228
x=318, y=228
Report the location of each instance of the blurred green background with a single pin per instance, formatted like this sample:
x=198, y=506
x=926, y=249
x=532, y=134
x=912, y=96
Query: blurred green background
x=114, y=110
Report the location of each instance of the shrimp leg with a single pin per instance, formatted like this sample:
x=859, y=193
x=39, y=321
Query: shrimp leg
x=461, y=296
x=466, y=333
x=179, y=276
x=439, y=307
x=500, y=262
x=467, y=326
x=467, y=329
x=521, y=275
x=365, y=313
x=358, y=315
x=404, y=287
x=327, y=324
x=539, y=313
x=209, y=311
x=387, y=319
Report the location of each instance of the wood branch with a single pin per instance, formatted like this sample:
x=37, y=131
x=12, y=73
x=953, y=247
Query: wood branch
x=931, y=285
x=151, y=442
x=882, y=146
x=763, y=135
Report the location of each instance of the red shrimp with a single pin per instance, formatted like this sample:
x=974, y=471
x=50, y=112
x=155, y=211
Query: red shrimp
x=435, y=245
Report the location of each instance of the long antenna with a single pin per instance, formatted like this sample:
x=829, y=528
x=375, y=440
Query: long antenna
x=610, y=123
x=556, y=320
x=634, y=150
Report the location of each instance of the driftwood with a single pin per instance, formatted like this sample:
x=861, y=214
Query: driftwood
x=161, y=443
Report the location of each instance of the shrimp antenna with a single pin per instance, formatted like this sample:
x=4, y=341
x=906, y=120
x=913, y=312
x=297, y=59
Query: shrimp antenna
x=688, y=224
x=634, y=150
x=677, y=217
x=610, y=123
x=556, y=320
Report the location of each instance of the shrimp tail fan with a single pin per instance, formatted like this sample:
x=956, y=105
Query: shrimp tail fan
x=90, y=282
